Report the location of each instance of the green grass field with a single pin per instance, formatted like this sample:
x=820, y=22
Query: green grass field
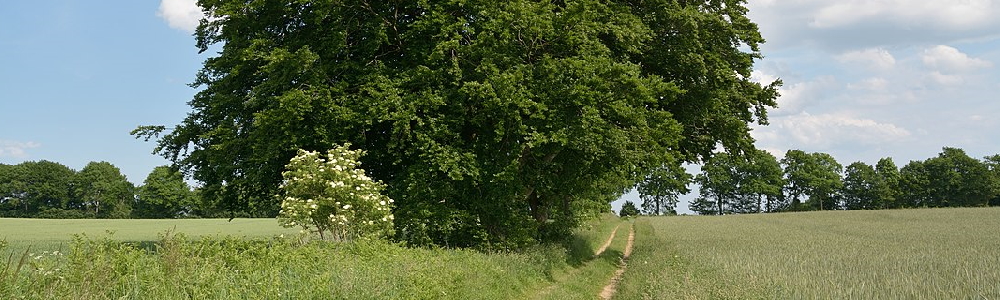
x=897, y=254
x=215, y=259
x=51, y=235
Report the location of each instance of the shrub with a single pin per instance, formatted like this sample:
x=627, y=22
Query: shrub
x=330, y=195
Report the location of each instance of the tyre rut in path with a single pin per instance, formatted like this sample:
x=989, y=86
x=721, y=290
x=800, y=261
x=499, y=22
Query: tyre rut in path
x=607, y=243
x=609, y=290
x=547, y=290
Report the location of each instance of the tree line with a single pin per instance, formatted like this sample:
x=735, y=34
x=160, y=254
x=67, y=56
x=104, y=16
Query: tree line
x=757, y=182
x=45, y=189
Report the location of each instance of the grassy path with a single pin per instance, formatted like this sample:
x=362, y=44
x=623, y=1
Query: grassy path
x=610, y=289
x=607, y=243
x=584, y=278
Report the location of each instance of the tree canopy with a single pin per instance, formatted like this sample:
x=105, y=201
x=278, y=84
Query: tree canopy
x=491, y=122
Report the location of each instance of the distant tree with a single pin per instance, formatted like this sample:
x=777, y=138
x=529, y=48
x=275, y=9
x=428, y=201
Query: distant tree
x=762, y=181
x=959, y=180
x=993, y=164
x=628, y=209
x=887, y=186
x=102, y=190
x=750, y=183
x=816, y=175
x=860, y=190
x=31, y=187
x=661, y=189
x=717, y=183
x=164, y=194
x=914, y=186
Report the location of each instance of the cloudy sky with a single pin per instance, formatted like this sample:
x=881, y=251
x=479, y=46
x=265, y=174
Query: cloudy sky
x=864, y=79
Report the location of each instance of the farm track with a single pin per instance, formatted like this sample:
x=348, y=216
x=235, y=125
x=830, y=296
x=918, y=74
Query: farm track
x=610, y=289
x=607, y=243
x=548, y=290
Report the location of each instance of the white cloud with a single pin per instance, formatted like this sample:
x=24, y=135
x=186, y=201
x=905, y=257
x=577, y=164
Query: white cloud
x=825, y=131
x=837, y=25
x=949, y=59
x=795, y=97
x=949, y=14
x=876, y=58
x=945, y=79
x=872, y=84
x=180, y=14
x=16, y=149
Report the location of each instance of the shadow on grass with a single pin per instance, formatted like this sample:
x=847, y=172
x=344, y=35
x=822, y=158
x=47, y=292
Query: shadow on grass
x=578, y=251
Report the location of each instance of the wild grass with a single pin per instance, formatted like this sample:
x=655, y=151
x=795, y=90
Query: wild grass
x=129, y=265
x=588, y=271
x=898, y=254
x=56, y=234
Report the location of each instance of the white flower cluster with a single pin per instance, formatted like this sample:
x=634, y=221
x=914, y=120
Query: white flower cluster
x=331, y=195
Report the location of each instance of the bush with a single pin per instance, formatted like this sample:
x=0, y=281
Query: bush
x=628, y=209
x=330, y=195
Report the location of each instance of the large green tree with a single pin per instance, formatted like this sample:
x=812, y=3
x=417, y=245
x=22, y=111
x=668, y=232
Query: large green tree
x=740, y=184
x=100, y=189
x=34, y=186
x=887, y=184
x=163, y=195
x=959, y=180
x=661, y=189
x=860, y=187
x=491, y=122
x=816, y=175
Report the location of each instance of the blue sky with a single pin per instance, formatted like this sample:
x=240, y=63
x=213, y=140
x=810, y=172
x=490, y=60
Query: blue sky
x=864, y=79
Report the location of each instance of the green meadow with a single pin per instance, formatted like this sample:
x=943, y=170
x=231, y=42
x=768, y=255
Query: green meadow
x=892, y=254
x=250, y=259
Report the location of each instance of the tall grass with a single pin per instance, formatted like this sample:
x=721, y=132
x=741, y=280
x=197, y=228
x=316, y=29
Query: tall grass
x=898, y=254
x=56, y=234
x=176, y=266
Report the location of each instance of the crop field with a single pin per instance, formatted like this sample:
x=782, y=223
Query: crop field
x=896, y=254
x=54, y=234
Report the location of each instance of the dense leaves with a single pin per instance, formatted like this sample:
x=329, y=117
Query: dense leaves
x=491, y=122
x=734, y=184
x=164, y=194
x=812, y=181
x=44, y=189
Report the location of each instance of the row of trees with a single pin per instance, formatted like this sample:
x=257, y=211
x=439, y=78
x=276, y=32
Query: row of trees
x=757, y=182
x=46, y=189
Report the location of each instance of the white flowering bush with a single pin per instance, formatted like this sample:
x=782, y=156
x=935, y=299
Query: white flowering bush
x=329, y=194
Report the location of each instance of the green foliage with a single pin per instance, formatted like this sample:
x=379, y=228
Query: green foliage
x=491, y=122
x=750, y=183
x=31, y=187
x=331, y=195
x=816, y=175
x=103, y=191
x=164, y=195
x=860, y=187
x=952, y=179
x=661, y=189
x=628, y=210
